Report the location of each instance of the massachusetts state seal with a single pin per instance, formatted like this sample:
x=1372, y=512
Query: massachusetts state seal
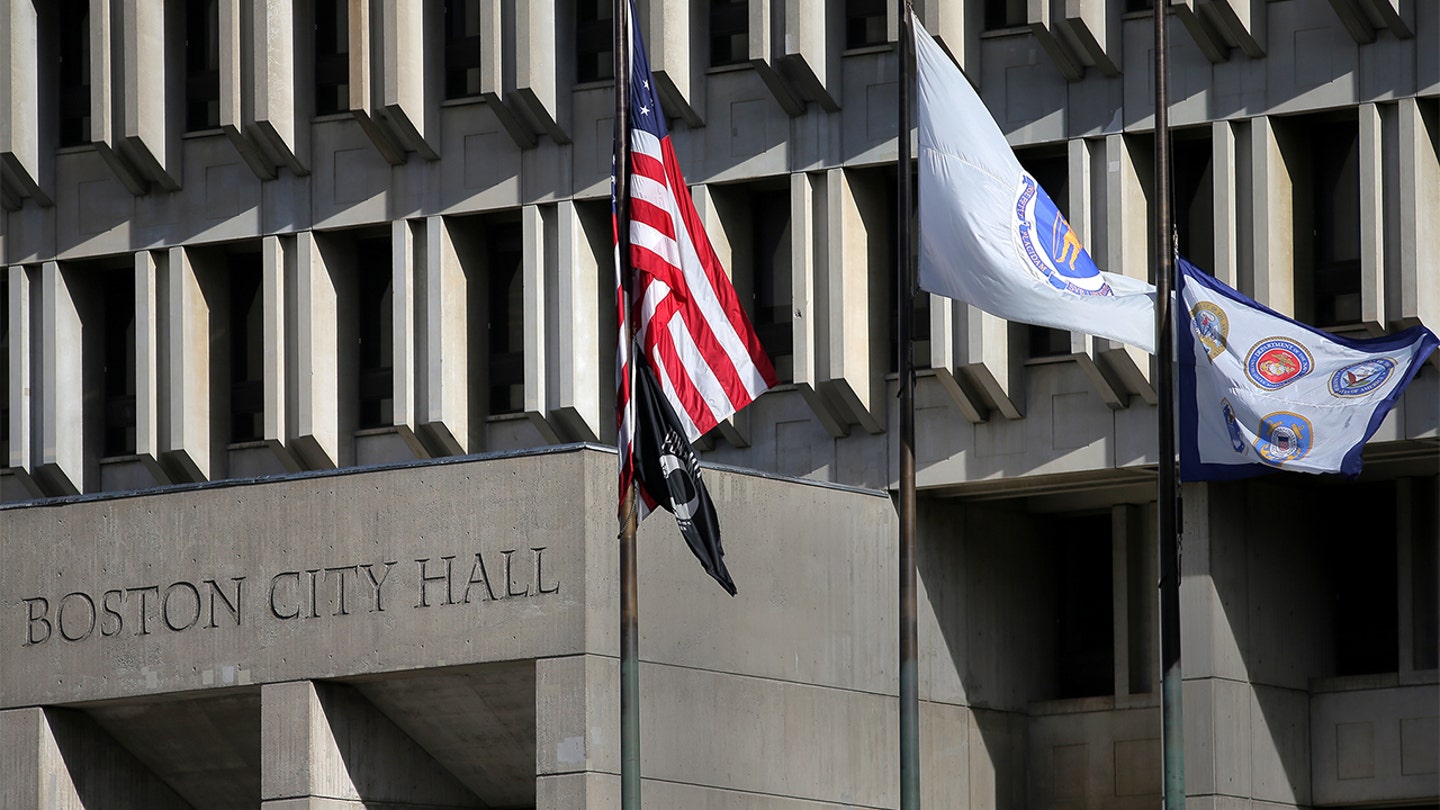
x=1361, y=378
x=1275, y=362
x=1211, y=327
x=1283, y=437
x=1048, y=245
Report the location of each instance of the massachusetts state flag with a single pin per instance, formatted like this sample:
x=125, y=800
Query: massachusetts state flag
x=1259, y=391
x=991, y=236
x=702, y=355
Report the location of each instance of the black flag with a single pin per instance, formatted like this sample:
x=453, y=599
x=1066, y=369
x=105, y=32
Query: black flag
x=668, y=473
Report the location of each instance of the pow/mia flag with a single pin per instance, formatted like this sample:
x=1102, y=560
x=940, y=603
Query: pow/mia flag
x=668, y=473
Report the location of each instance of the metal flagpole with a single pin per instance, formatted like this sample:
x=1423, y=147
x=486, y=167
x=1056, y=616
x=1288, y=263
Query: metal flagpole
x=909, y=677
x=629, y=598
x=1172, y=736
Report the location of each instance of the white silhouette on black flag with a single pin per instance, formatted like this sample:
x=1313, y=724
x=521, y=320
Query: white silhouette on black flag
x=668, y=473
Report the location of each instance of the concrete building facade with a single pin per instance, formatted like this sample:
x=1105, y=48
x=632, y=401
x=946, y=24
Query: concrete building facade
x=308, y=360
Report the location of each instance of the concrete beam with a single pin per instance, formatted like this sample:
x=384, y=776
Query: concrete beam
x=187, y=338
x=540, y=239
x=809, y=252
x=62, y=384
x=148, y=126
x=442, y=378
x=1416, y=171
x=675, y=35
x=60, y=758
x=26, y=159
x=575, y=400
x=281, y=117
x=324, y=745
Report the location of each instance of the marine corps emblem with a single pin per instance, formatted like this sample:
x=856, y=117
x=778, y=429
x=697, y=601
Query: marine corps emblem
x=1361, y=378
x=1283, y=437
x=1275, y=362
x=1211, y=327
x=1050, y=247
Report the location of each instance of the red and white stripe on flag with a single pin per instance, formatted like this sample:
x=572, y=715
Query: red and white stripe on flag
x=689, y=320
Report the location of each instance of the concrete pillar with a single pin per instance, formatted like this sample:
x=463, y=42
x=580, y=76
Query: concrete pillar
x=442, y=379
x=1126, y=251
x=1091, y=353
x=544, y=72
x=1410, y=297
x=411, y=112
x=766, y=49
x=809, y=251
x=857, y=290
x=540, y=228
x=1372, y=218
x=1271, y=244
x=1095, y=26
x=945, y=360
x=1225, y=163
x=727, y=223
x=148, y=368
x=577, y=757
x=149, y=124
x=323, y=746
x=26, y=160
x=408, y=259
x=813, y=41
x=956, y=25
x=236, y=17
x=62, y=385
x=674, y=33
x=579, y=387
x=1243, y=22
x=278, y=282
x=60, y=759
x=281, y=113
x=187, y=338
x=21, y=383
x=318, y=438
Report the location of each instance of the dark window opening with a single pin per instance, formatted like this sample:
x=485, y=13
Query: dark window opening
x=1363, y=608
x=770, y=227
x=4, y=373
x=1050, y=166
x=1194, y=211
x=729, y=32
x=1004, y=14
x=74, y=72
x=202, y=65
x=1085, y=611
x=594, y=41
x=462, y=48
x=920, y=314
x=332, y=56
x=505, y=257
x=119, y=373
x=1424, y=584
x=1335, y=193
x=865, y=23
x=247, y=350
x=1132, y=6
x=377, y=334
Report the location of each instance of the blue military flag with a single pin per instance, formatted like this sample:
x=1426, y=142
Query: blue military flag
x=1259, y=391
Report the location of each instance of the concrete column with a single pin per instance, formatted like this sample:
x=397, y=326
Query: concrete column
x=26, y=161
x=956, y=25
x=945, y=360
x=237, y=85
x=21, y=383
x=814, y=39
x=1416, y=171
x=323, y=746
x=366, y=46
x=62, y=385
x=412, y=113
x=1271, y=248
x=1372, y=218
x=727, y=224
x=810, y=252
x=187, y=330
x=281, y=114
x=1047, y=27
x=408, y=259
x=442, y=379
x=1126, y=251
x=767, y=32
x=1243, y=22
x=1225, y=169
x=577, y=763
x=675, y=34
x=60, y=759
x=575, y=406
x=151, y=135
x=857, y=289
x=539, y=225
x=148, y=338
x=278, y=289
x=543, y=71
x=492, y=73
x=1095, y=26
x=1090, y=352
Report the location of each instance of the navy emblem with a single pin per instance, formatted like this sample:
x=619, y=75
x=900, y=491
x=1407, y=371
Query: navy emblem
x=1361, y=378
x=1050, y=247
x=1275, y=362
x=1237, y=438
x=1211, y=327
x=1284, y=437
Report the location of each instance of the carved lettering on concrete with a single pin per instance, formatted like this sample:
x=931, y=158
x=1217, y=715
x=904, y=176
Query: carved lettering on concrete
x=319, y=593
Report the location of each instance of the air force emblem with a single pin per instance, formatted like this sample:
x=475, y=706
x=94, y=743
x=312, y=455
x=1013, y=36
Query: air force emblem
x=1050, y=247
x=1211, y=327
x=1361, y=378
x=1275, y=362
x=1283, y=437
x=1237, y=438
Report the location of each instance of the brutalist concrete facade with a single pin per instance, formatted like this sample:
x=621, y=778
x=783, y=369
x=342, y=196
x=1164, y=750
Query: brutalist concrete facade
x=282, y=237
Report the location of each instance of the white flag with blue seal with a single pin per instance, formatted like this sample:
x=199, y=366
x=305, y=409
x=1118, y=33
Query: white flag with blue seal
x=991, y=236
x=1259, y=391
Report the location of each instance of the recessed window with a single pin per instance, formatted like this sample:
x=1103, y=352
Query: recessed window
x=119, y=372
x=462, y=48
x=74, y=72
x=505, y=258
x=1194, y=213
x=1335, y=195
x=729, y=32
x=1364, y=613
x=202, y=65
x=1139, y=5
x=1004, y=14
x=1050, y=166
x=4, y=372
x=594, y=41
x=865, y=23
x=332, y=56
x=247, y=349
x=376, y=312
x=1085, y=631
x=770, y=244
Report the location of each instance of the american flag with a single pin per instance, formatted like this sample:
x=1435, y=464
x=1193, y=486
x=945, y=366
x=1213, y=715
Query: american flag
x=689, y=321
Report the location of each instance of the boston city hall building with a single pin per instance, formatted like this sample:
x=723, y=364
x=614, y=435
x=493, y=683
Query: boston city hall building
x=309, y=481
